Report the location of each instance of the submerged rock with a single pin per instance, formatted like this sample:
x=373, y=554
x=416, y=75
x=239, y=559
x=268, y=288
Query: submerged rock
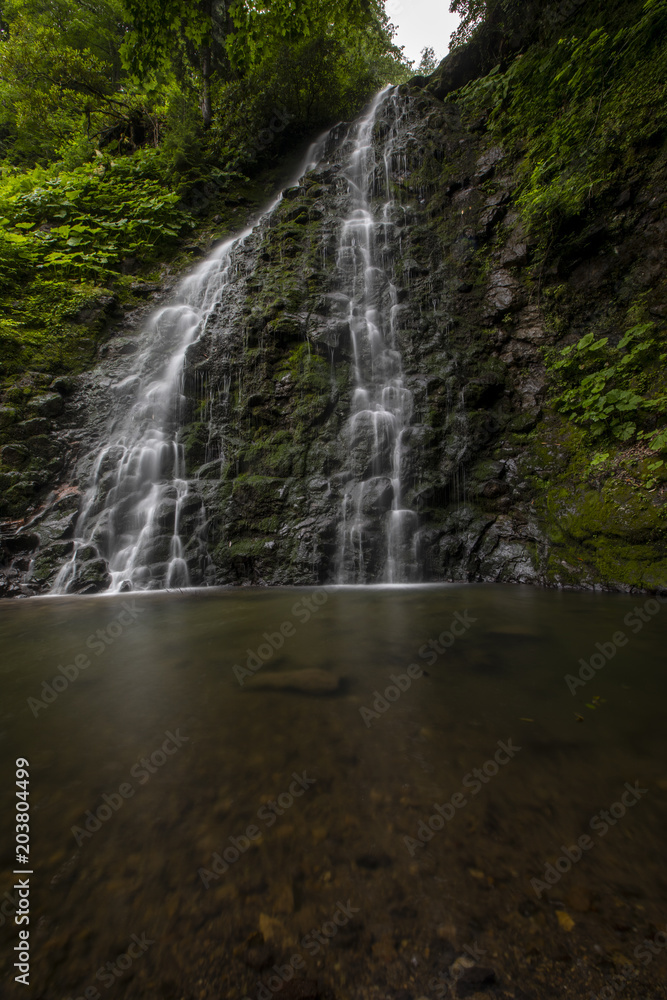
x=309, y=681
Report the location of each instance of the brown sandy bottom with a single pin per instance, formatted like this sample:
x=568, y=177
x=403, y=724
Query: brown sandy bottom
x=260, y=850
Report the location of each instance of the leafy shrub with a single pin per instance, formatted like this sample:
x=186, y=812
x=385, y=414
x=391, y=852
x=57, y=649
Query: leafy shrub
x=604, y=388
x=84, y=222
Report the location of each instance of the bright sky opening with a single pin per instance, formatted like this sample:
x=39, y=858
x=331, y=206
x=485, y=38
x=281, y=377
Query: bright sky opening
x=422, y=23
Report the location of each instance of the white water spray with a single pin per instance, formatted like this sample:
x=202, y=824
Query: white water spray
x=382, y=406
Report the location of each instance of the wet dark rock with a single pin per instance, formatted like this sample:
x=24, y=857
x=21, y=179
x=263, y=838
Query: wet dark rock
x=494, y=489
x=19, y=542
x=128, y=347
x=373, y=861
x=473, y=980
x=64, y=384
x=308, y=681
x=29, y=428
x=502, y=294
x=8, y=416
x=484, y=390
x=90, y=316
x=42, y=446
x=487, y=163
x=14, y=455
x=374, y=496
x=92, y=577
x=47, y=406
x=145, y=288
x=49, y=560
x=490, y=217
x=259, y=956
x=514, y=254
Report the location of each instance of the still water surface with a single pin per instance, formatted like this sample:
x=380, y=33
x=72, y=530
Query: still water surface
x=155, y=759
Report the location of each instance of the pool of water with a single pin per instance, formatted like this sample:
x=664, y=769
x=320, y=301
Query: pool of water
x=233, y=793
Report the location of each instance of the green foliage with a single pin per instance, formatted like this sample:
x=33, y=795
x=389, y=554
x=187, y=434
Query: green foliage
x=303, y=88
x=472, y=14
x=428, y=62
x=59, y=70
x=262, y=29
x=123, y=74
x=611, y=391
x=84, y=222
x=115, y=115
x=216, y=43
x=475, y=13
x=579, y=111
x=167, y=31
x=15, y=257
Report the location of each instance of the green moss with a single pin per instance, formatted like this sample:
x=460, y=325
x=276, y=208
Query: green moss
x=603, y=528
x=247, y=547
x=271, y=457
x=194, y=438
x=616, y=509
x=257, y=497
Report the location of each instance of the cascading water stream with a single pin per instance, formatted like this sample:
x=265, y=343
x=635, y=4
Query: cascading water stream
x=139, y=477
x=382, y=406
x=132, y=512
x=145, y=518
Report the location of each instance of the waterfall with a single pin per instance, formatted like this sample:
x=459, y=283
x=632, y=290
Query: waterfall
x=144, y=516
x=133, y=510
x=377, y=534
x=132, y=513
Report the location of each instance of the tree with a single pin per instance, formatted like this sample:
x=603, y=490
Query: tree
x=264, y=27
x=182, y=37
x=222, y=40
x=471, y=13
x=428, y=62
x=59, y=72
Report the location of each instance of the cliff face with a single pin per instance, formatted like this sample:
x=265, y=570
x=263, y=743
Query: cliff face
x=288, y=482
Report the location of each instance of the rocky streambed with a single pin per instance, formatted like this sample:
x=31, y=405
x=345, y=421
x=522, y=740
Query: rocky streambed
x=391, y=807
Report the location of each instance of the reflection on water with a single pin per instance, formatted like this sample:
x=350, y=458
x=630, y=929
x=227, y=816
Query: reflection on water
x=198, y=834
